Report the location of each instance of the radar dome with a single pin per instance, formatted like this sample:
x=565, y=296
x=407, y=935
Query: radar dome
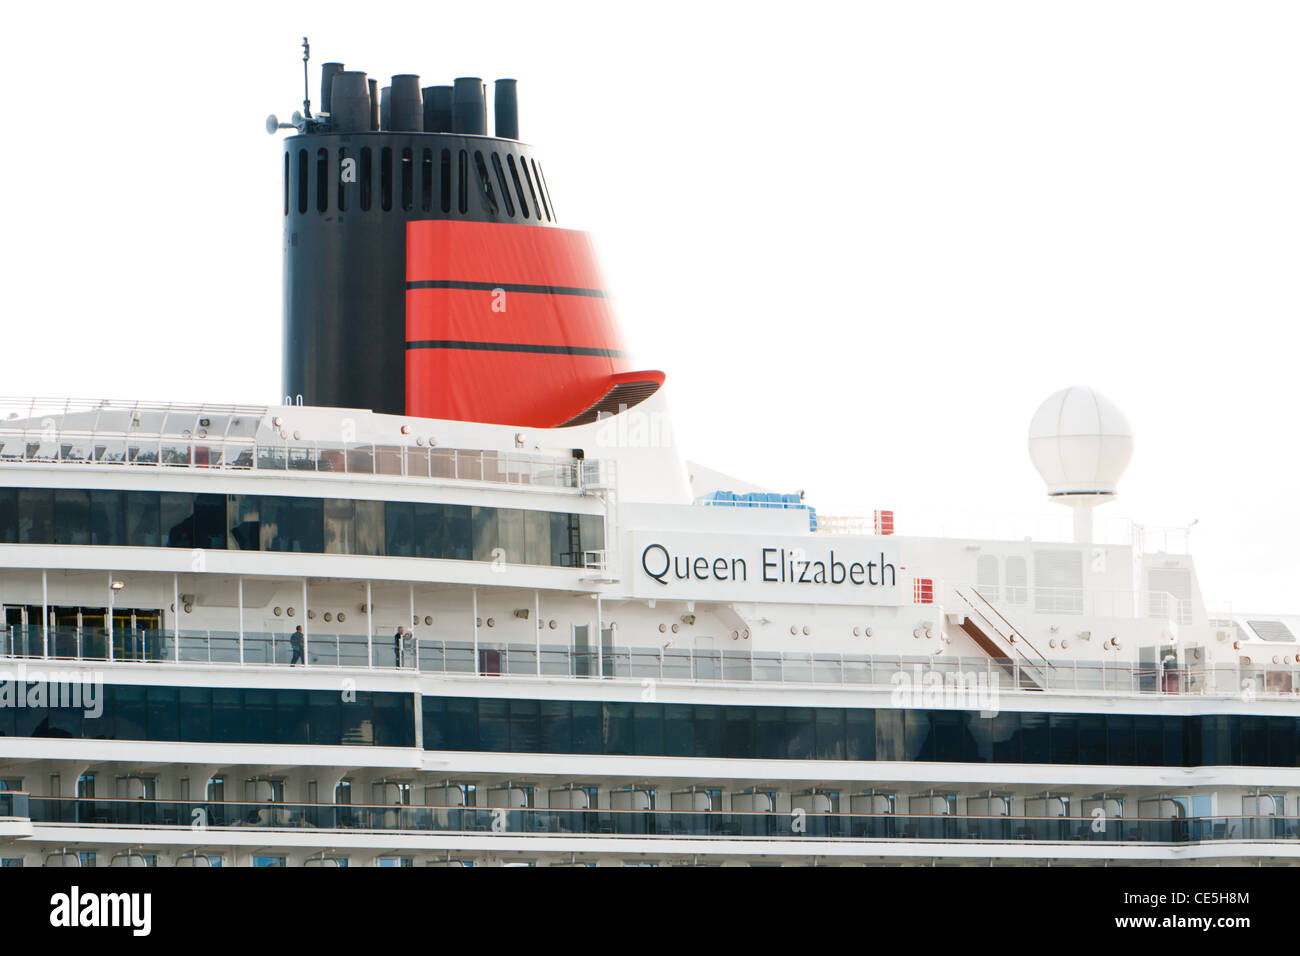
x=1080, y=442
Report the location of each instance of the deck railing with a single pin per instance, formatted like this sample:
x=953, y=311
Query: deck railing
x=713, y=824
x=466, y=658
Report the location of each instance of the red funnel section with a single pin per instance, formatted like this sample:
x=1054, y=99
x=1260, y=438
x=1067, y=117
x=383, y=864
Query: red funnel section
x=509, y=324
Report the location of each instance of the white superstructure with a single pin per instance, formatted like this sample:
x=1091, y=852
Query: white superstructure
x=609, y=659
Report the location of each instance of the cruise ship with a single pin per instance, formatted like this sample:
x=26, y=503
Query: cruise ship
x=461, y=600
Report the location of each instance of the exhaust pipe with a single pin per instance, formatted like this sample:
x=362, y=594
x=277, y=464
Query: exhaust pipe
x=327, y=73
x=406, y=109
x=506, y=101
x=469, y=106
x=437, y=109
x=350, y=105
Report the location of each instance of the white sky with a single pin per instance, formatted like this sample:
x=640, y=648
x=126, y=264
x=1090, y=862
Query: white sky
x=863, y=240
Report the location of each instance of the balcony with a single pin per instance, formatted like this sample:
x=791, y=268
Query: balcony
x=485, y=658
x=49, y=811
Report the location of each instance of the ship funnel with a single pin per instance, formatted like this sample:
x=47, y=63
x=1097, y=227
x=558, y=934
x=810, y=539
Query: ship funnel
x=350, y=102
x=469, y=106
x=406, y=109
x=437, y=109
x=403, y=237
x=506, y=102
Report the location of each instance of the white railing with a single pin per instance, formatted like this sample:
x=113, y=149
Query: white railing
x=1082, y=602
x=993, y=526
x=19, y=447
x=466, y=658
x=232, y=438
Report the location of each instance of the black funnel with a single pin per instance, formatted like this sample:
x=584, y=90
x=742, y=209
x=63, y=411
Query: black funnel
x=374, y=106
x=350, y=102
x=437, y=109
x=406, y=108
x=469, y=106
x=506, y=101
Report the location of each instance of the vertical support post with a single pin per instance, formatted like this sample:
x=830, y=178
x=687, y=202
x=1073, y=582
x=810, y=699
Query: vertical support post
x=241, y=619
x=370, y=625
x=109, y=622
x=600, y=638
x=474, y=611
x=306, y=627
x=414, y=641
x=537, y=613
x=45, y=613
x=176, y=618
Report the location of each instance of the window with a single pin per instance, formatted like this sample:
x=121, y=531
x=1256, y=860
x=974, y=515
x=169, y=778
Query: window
x=142, y=528
x=71, y=517
x=986, y=576
x=287, y=524
x=107, y=518
x=35, y=516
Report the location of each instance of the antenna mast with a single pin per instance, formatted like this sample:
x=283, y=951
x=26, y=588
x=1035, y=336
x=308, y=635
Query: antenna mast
x=306, y=95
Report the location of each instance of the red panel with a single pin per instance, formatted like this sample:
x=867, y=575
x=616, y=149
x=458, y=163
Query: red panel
x=499, y=353
x=884, y=522
x=923, y=590
x=500, y=252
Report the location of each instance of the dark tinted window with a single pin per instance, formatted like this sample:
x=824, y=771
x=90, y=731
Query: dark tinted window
x=71, y=517
x=308, y=525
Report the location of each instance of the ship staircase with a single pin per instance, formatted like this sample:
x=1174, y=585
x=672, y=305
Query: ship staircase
x=998, y=637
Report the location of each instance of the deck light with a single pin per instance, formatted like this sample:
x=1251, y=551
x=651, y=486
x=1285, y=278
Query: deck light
x=117, y=585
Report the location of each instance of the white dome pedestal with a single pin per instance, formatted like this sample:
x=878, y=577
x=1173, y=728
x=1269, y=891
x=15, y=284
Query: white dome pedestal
x=1082, y=506
x=1080, y=442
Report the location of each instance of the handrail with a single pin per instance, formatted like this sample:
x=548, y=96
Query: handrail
x=1014, y=630
x=708, y=824
x=528, y=660
x=1010, y=641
